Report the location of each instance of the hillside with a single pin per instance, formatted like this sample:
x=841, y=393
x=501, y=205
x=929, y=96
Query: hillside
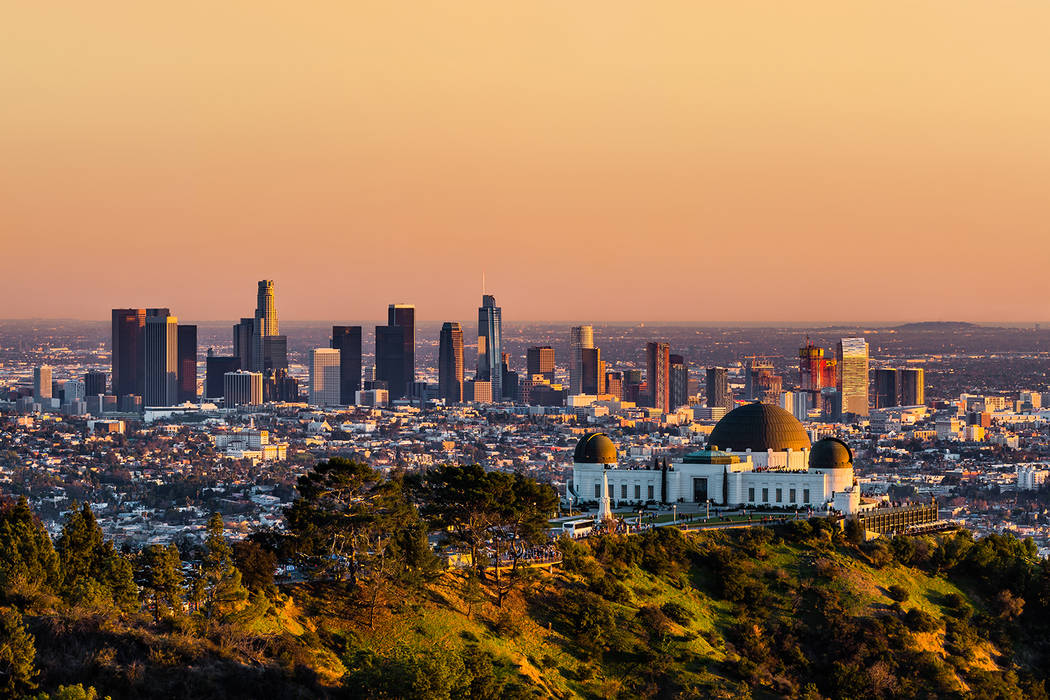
x=798, y=611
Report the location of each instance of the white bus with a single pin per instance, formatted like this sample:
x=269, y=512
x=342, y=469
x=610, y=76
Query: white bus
x=577, y=528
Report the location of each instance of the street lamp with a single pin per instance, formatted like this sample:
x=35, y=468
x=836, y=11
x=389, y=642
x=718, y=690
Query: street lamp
x=708, y=515
x=674, y=513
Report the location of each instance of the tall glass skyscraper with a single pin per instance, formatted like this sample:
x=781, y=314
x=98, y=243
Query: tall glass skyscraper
x=450, y=363
x=658, y=375
x=187, y=363
x=718, y=392
x=160, y=358
x=347, y=340
x=580, y=339
x=128, y=346
x=887, y=388
x=679, y=382
x=490, y=345
x=390, y=359
x=540, y=360
x=853, y=375
x=265, y=324
x=324, y=377
x=404, y=317
x=913, y=386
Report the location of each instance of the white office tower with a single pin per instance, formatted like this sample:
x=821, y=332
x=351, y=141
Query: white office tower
x=42, y=383
x=324, y=377
x=580, y=338
x=161, y=361
x=242, y=388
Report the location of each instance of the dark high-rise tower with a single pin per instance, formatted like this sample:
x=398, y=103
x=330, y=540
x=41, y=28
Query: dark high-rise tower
x=127, y=352
x=243, y=335
x=510, y=378
x=540, y=360
x=160, y=360
x=450, y=362
x=216, y=367
x=679, y=382
x=94, y=383
x=913, y=386
x=187, y=363
x=592, y=371
x=887, y=388
x=580, y=337
x=347, y=340
x=658, y=375
x=129, y=326
x=404, y=316
x=490, y=345
x=718, y=393
x=390, y=359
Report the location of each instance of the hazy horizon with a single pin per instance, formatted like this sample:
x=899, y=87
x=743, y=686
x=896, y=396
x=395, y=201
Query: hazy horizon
x=595, y=160
x=875, y=325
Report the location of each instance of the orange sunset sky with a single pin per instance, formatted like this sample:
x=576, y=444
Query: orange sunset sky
x=656, y=161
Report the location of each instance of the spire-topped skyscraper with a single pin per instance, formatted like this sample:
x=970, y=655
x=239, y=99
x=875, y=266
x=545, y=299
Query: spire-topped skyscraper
x=265, y=326
x=490, y=345
x=258, y=344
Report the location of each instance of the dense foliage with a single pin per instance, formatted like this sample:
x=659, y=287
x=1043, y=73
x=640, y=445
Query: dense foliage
x=805, y=610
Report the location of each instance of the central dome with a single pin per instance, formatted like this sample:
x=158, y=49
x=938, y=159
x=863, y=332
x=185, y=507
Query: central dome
x=595, y=448
x=759, y=427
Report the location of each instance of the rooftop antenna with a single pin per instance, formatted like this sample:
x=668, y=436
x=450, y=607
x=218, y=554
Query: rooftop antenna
x=482, y=283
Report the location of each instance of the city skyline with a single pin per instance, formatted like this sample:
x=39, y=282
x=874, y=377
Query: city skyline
x=735, y=417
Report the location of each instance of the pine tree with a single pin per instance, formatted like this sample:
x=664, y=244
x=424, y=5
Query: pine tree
x=17, y=654
x=161, y=576
x=28, y=562
x=225, y=594
x=92, y=572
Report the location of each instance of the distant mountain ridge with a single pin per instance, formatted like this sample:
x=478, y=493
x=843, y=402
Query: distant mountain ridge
x=936, y=326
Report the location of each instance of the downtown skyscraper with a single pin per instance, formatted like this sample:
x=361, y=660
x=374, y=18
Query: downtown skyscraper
x=347, y=340
x=887, y=388
x=592, y=368
x=719, y=394
x=260, y=347
x=395, y=361
x=540, y=360
x=658, y=375
x=404, y=316
x=187, y=363
x=913, y=386
x=269, y=349
x=324, y=377
x=679, y=391
x=265, y=323
x=129, y=352
x=852, y=355
x=490, y=345
x=450, y=363
x=580, y=339
x=160, y=360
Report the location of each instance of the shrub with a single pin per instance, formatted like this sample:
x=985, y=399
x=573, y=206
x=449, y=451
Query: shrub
x=898, y=593
x=918, y=620
x=677, y=613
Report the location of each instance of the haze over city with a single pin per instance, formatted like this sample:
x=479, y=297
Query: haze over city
x=477, y=350
x=600, y=161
